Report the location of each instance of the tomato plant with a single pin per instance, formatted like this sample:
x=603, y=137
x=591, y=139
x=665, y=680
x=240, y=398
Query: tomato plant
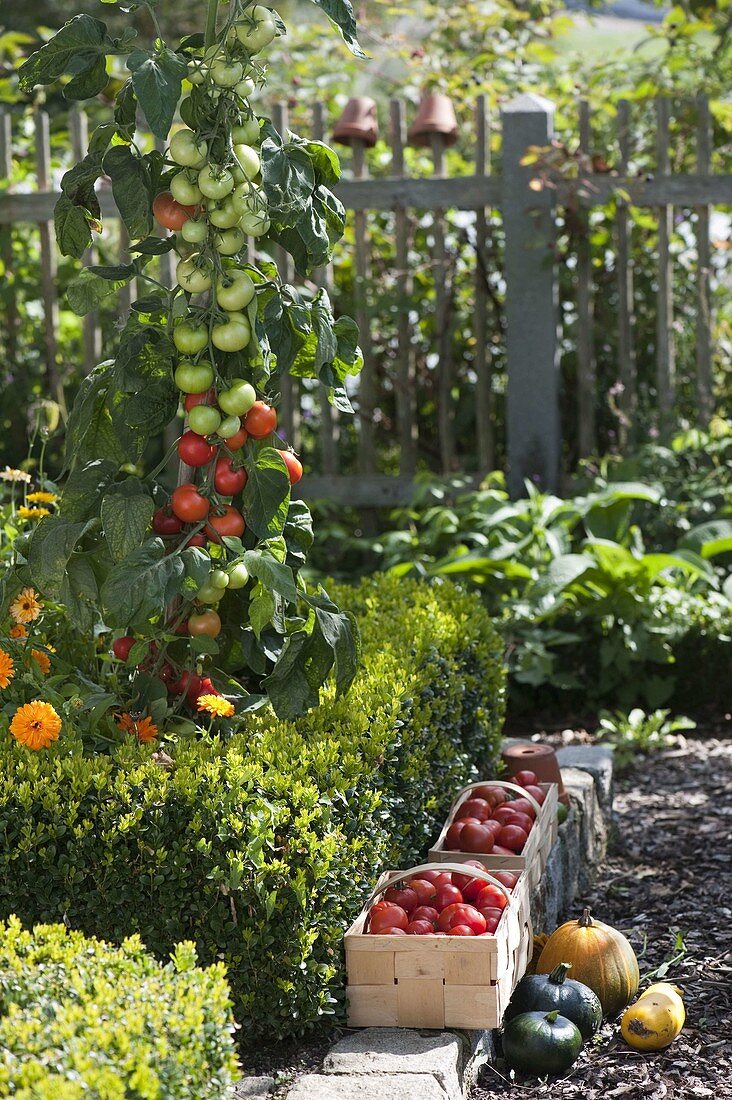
x=216, y=175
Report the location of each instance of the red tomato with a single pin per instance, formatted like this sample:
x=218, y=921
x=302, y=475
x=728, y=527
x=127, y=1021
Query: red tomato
x=460, y=930
x=473, y=888
x=443, y=921
x=389, y=932
x=452, y=837
x=194, y=450
x=507, y=878
x=188, y=504
x=206, y=398
x=236, y=441
x=187, y=681
x=513, y=837
x=433, y=876
x=499, y=850
x=461, y=881
x=522, y=820
x=425, y=912
x=227, y=480
x=166, y=673
x=537, y=793
x=420, y=928
x=293, y=464
x=121, y=647
x=227, y=522
x=390, y=916
x=469, y=915
x=491, y=923
x=204, y=622
x=502, y=812
x=447, y=895
x=525, y=778
x=425, y=891
x=203, y=687
x=261, y=420
x=403, y=896
x=474, y=807
x=494, y=796
x=491, y=897
x=476, y=838
x=163, y=523
x=199, y=539
x=492, y=912
x=522, y=805
x=169, y=213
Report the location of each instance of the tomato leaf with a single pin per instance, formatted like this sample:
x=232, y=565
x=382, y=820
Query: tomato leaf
x=79, y=593
x=126, y=513
x=89, y=289
x=51, y=546
x=76, y=48
x=138, y=587
x=157, y=79
x=287, y=686
x=131, y=188
x=71, y=225
x=85, y=488
x=274, y=574
x=341, y=15
x=266, y=496
x=89, y=431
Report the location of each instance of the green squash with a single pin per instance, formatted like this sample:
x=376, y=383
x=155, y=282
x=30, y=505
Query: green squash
x=541, y=1043
x=545, y=992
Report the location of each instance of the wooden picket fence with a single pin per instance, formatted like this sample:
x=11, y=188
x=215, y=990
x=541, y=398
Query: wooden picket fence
x=532, y=340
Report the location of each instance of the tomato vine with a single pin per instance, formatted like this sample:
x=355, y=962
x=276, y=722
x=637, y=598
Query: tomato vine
x=202, y=584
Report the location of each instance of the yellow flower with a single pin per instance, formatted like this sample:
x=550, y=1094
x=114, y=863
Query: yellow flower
x=26, y=607
x=17, y=631
x=36, y=725
x=41, y=497
x=9, y=474
x=42, y=660
x=214, y=704
x=7, y=668
x=144, y=729
x=32, y=513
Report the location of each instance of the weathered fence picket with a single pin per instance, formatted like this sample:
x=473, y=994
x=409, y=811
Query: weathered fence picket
x=665, y=347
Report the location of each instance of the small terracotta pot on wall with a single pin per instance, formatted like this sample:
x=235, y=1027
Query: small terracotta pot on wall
x=358, y=122
x=436, y=115
x=535, y=757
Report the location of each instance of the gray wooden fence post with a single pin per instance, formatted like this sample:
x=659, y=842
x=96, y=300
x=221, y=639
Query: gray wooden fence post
x=532, y=345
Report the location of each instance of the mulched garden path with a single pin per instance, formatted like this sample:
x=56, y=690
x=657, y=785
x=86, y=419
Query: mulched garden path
x=667, y=883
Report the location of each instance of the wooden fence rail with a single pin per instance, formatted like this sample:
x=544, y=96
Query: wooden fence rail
x=532, y=341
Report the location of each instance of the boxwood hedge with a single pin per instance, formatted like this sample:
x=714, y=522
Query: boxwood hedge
x=260, y=849
x=79, y=1018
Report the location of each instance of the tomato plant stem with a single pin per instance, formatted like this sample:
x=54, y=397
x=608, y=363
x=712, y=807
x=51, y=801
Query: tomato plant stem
x=212, y=12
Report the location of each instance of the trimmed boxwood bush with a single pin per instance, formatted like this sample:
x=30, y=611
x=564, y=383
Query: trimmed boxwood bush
x=79, y=1018
x=260, y=849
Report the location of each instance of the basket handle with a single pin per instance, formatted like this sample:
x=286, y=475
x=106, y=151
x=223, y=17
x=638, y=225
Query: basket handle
x=492, y=783
x=457, y=868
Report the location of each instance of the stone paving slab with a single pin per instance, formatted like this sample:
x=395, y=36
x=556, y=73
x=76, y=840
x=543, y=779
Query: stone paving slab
x=254, y=1088
x=400, y=1050
x=598, y=761
x=388, y=1086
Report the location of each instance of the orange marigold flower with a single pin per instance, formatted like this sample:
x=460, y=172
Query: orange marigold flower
x=17, y=631
x=42, y=660
x=26, y=607
x=7, y=668
x=216, y=705
x=144, y=729
x=36, y=725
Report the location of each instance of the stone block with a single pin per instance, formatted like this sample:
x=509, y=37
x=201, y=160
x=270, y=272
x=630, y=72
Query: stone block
x=387, y=1086
x=399, y=1050
x=598, y=761
x=254, y=1088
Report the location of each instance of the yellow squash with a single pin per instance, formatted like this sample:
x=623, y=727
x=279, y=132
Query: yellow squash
x=655, y=1019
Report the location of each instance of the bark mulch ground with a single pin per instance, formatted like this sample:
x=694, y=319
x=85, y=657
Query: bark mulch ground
x=667, y=883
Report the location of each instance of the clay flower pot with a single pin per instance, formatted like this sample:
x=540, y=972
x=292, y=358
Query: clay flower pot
x=436, y=115
x=535, y=757
x=358, y=122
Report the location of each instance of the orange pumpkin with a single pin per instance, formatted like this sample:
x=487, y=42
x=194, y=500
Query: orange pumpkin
x=540, y=940
x=601, y=958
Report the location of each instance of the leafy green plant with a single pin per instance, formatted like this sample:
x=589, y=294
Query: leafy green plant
x=637, y=733
x=81, y=1018
x=260, y=847
x=219, y=559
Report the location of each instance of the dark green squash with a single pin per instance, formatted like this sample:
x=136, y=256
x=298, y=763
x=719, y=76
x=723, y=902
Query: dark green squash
x=545, y=992
x=541, y=1043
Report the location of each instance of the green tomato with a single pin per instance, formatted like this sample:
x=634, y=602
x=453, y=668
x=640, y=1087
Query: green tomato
x=257, y=29
x=230, y=241
x=248, y=198
x=248, y=159
x=194, y=275
x=246, y=133
x=226, y=74
x=185, y=189
x=238, y=575
x=254, y=225
x=197, y=72
x=218, y=578
x=234, y=290
x=215, y=182
x=194, y=377
x=194, y=231
x=225, y=215
x=238, y=399
x=204, y=419
x=208, y=594
x=228, y=427
x=231, y=335
x=187, y=149
x=245, y=88
x=189, y=338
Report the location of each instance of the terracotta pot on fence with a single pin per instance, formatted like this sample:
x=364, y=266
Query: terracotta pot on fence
x=535, y=757
x=358, y=122
x=436, y=115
